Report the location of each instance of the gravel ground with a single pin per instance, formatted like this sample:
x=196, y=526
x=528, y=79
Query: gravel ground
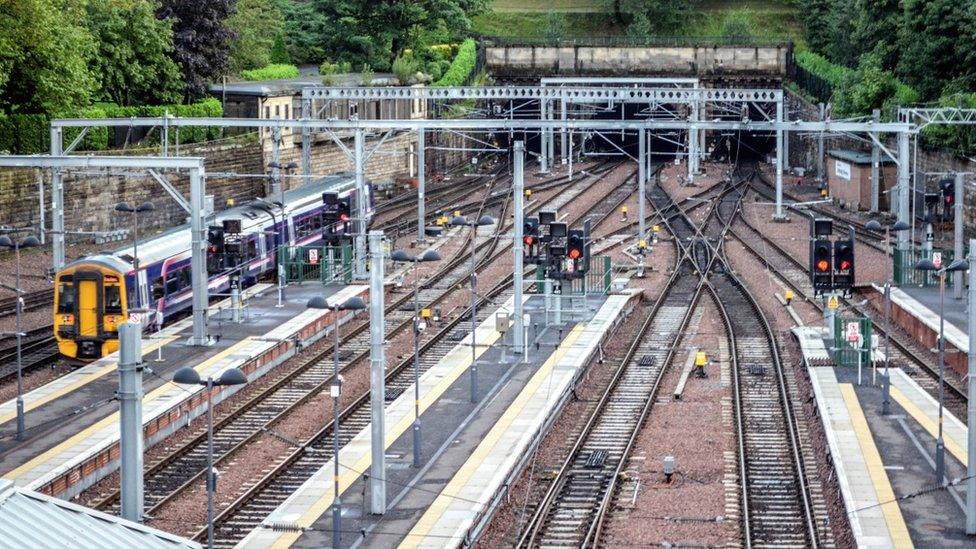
x=187, y=513
x=689, y=510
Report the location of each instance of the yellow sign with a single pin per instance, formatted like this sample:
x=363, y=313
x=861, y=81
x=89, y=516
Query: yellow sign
x=701, y=359
x=788, y=295
x=528, y=193
x=624, y=209
x=424, y=313
x=642, y=243
x=656, y=228
x=833, y=302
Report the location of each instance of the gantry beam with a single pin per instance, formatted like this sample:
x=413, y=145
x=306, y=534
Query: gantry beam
x=941, y=115
x=557, y=93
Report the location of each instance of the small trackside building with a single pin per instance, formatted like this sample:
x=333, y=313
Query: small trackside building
x=849, y=178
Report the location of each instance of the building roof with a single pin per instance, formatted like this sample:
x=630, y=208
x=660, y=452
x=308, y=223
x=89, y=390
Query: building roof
x=857, y=157
x=31, y=519
x=292, y=86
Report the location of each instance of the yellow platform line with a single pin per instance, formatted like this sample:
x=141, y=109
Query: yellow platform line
x=350, y=474
x=112, y=418
x=82, y=381
x=461, y=478
x=930, y=425
x=897, y=528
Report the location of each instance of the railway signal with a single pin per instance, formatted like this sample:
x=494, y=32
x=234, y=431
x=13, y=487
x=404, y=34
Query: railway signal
x=947, y=187
x=530, y=236
x=821, y=274
x=844, y=263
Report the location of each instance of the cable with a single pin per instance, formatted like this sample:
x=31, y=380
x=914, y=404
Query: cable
x=68, y=415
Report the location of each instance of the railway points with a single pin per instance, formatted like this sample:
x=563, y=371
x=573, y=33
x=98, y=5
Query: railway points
x=74, y=440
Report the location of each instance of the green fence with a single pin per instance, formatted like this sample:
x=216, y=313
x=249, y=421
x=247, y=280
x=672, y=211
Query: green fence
x=904, y=266
x=844, y=353
x=323, y=264
x=596, y=281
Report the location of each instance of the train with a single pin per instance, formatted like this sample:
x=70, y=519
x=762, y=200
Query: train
x=94, y=294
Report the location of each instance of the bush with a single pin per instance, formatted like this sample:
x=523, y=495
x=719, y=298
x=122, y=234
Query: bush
x=831, y=73
x=279, y=53
x=404, y=68
x=7, y=140
x=31, y=133
x=366, y=76
x=459, y=71
x=271, y=72
x=97, y=137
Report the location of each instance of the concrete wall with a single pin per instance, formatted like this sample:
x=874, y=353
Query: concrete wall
x=710, y=61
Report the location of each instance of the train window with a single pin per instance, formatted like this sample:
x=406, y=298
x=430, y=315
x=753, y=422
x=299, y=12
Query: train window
x=252, y=249
x=157, y=289
x=173, y=283
x=113, y=299
x=66, y=298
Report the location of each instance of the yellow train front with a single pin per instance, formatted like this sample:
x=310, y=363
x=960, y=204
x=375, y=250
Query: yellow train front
x=89, y=306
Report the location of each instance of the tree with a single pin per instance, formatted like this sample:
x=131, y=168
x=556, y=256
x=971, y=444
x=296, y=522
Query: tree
x=256, y=26
x=841, y=26
x=936, y=44
x=867, y=88
x=649, y=17
x=201, y=40
x=279, y=53
x=44, y=52
x=132, y=63
x=875, y=30
x=816, y=19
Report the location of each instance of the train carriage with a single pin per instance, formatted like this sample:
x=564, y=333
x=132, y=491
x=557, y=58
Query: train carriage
x=95, y=293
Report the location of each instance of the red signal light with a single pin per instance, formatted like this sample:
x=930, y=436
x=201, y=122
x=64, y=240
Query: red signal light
x=343, y=218
x=529, y=240
x=845, y=265
x=575, y=253
x=823, y=265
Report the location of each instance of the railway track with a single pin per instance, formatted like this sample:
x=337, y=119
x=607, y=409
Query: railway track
x=38, y=348
x=251, y=508
x=32, y=300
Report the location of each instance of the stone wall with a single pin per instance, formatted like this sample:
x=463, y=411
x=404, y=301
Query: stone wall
x=234, y=171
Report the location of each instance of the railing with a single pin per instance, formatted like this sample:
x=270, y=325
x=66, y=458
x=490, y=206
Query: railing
x=324, y=264
x=604, y=41
x=596, y=281
x=905, y=272
x=812, y=84
x=844, y=353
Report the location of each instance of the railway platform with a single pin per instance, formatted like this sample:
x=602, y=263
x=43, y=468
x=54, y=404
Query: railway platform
x=884, y=463
x=916, y=310
x=72, y=437
x=470, y=450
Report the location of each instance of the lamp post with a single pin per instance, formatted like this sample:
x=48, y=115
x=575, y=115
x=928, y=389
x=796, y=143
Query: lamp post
x=28, y=242
x=461, y=221
x=231, y=376
x=929, y=266
x=886, y=379
x=352, y=304
x=135, y=211
x=401, y=256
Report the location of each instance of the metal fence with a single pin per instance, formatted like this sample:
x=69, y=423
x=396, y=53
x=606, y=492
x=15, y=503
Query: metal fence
x=596, y=281
x=844, y=353
x=812, y=84
x=623, y=41
x=323, y=264
x=905, y=272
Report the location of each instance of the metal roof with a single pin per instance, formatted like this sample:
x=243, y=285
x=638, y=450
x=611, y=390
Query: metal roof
x=30, y=519
x=292, y=86
x=857, y=157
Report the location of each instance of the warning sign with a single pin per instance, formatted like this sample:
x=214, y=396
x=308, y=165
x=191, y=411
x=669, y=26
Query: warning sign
x=853, y=334
x=833, y=302
x=313, y=256
x=937, y=259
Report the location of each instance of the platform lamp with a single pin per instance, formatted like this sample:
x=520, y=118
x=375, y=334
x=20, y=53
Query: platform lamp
x=928, y=265
x=189, y=376
x=401, y=256
x=461, y=221
x=898, y=227
x=354, y=303
x=29, y=241
x=145, y=207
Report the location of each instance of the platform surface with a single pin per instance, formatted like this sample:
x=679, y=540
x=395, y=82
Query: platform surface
x=885, y=463
x=453, y=428
x=923, y=304
x=67, y=437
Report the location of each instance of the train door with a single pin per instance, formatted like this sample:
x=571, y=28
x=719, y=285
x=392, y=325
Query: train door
x=88, y=286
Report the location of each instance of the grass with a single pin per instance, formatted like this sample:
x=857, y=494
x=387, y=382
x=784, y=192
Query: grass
x=585, y=19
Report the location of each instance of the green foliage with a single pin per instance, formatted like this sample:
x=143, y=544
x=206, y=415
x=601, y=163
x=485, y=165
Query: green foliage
x=132, y=63
x=404, y=67
x=867, y=88
x=7, y=135
x=44, y=52
x=31, y=133
x=257, y=27
x=958, y=139
x=97, y=138
x=645, y=18
x=464, y=62
x=279, y=53
x=366, y=76
x=201, y=40
x=555, y=29
x=876, y=30
x=737, y=24
x=271, y=72
x=817, y=64
x=936, y=44
x=330, y=71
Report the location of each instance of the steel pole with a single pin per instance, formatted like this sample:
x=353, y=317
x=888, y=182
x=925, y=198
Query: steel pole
x=276, y=162
x=421, y=184
x=940, y=442
x=198, y=259
x=886, y=378
x=20, y=364
x=57, y=203
x=474, y=315
x=211, y=479
x=359, y=271
x=641, y=184
x=821, y=173
x=875, y=164
x=957, y=230
x=417, y=451
x=377, y=371
x=779, y=164
x=130, y=420
x=337, y=387
x=518, y=251
x=306, y=142
x=135, y=256
x=543, y=147
x=904, y=185
x=971, y=402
